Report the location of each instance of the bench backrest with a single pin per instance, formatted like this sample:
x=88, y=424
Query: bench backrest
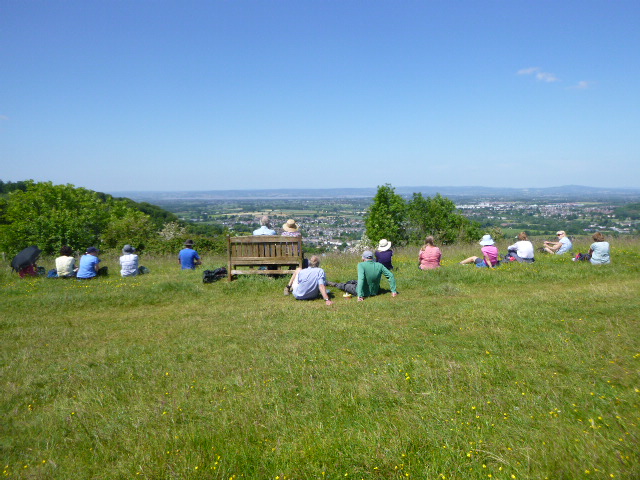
x=261, y=250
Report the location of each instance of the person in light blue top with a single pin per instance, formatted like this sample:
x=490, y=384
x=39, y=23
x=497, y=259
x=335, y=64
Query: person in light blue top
x=188, y=258
x=309, y=283
x=265, y=227
x=88, y=264
x=599, y=250
x=563, y=245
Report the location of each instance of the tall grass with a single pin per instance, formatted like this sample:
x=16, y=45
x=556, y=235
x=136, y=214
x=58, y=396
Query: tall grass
x=528, y=371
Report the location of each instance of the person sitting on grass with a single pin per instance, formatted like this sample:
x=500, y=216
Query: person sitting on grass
x=129, y=263
x=368, y=283
x=598, y=251
x=265, y=227
x=188, y=258
x=66, y=263
x=89, y=265
x=384, y=253
x=522, y=250
x=489, y=257
x=309, y=283
x=430, y=255
x=563, y=245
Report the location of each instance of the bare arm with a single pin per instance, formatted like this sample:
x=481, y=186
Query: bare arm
x=323, y=292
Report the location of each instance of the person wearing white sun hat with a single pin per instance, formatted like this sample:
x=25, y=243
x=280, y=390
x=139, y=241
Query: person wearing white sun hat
x=384, y=253
x=489, y=257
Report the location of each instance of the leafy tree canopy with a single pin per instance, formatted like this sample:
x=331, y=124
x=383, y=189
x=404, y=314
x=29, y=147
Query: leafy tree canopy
x=386, y=216
x=51, y=216
x=391, y=217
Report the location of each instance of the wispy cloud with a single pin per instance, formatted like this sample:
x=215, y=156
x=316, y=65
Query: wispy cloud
x=3, y=118
x=528, y=71
x=582, y=85
x=539, y=74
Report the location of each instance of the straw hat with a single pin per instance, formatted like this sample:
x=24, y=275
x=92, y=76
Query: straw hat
x=290, y=226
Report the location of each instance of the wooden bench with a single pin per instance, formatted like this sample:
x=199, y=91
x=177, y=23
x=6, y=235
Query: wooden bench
x=263, y=251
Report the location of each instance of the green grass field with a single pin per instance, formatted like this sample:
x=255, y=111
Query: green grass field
x=525, y=372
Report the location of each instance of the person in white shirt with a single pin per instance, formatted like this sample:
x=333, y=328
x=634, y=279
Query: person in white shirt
x=66, y=263
x=522, y=250
x=129, y=262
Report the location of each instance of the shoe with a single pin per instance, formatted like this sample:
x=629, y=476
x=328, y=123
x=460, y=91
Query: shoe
x=287, y=290
x=347, y=295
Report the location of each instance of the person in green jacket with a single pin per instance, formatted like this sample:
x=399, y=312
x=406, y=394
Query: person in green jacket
x=369, y=275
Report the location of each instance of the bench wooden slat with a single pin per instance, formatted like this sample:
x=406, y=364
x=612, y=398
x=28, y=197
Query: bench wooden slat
x=263, y=250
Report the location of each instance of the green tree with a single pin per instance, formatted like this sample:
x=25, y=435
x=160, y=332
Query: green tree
x=128, y=226
x=51, y=216
x=439, y=217
x=386, y=216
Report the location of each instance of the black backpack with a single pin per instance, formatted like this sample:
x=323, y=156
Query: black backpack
x=210, y=276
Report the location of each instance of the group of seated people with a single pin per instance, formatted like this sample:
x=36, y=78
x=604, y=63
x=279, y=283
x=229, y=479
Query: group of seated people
x=523, y=251
x=309, y=283
x=89, y=264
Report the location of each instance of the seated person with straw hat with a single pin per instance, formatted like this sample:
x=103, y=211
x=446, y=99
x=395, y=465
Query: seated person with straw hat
x=290, y=229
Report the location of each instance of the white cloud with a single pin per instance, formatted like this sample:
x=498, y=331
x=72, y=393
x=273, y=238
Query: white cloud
x=546, y=77
x=539, y=74
x=528, y=71
x=582, y=85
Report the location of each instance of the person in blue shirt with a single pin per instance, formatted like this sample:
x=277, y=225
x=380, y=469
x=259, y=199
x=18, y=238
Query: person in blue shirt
x=309, y=283
x=89, y=262
x=188, y=258
x=563, y=245
x=265, y=227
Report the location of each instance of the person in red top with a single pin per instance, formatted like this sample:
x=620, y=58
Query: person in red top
x=430, y=255
x=489, y=254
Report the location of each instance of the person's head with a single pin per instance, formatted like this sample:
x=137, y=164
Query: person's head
x=264, y=221
x=523, y=236
x=189, y=243
x=561, y=233
x=430, y=241
x=486, y=240
x=598, y=237
x=367, y=255
x=128, y=249
x=314, y=261
x=92, y=251
x=290, y=226
x=66, y=251
x=384, y=245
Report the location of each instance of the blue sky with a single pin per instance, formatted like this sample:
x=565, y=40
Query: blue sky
x=199, y=95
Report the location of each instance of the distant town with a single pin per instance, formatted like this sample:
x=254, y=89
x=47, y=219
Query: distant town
x=336, y=224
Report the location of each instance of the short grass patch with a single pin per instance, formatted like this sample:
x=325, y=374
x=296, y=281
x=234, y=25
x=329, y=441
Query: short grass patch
x=528, y=371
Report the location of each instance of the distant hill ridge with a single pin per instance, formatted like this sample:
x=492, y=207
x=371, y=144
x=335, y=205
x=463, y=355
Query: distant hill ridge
x=561, y=192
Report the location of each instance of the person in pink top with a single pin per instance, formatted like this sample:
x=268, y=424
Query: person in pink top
x=430, y=255
x=489, y=257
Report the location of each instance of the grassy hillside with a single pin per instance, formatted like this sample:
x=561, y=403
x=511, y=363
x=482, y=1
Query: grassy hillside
x=525, y=372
